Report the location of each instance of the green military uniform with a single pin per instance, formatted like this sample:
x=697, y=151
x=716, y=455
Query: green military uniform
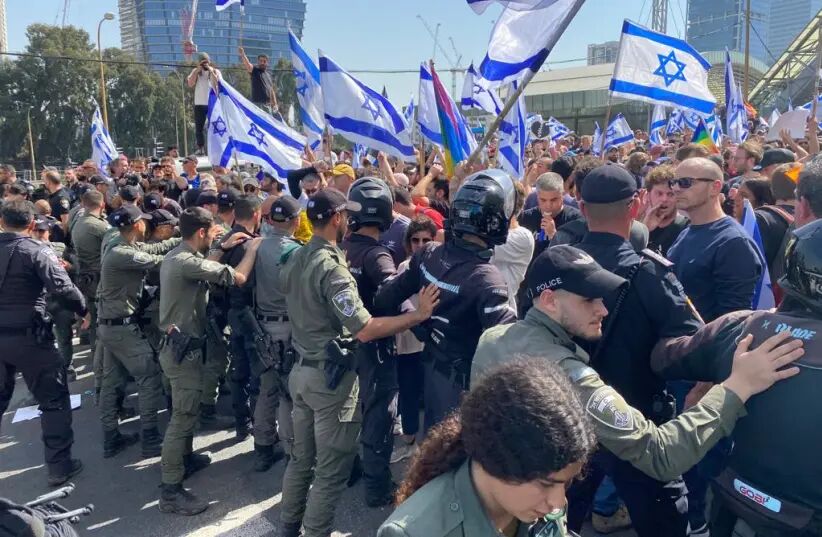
x=663, y=452
x=274, y=403
x=448, y=506
x=323, y=304
x=124, y=267
x=183, y=276
x=87, y=233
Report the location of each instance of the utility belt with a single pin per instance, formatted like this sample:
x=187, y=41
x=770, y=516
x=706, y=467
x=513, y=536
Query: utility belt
x=456, y=369
x=182, y=344
x=760, y=509
x=16, y=331
x=272, y=318
x=121, y=321
x=41, y=329
x=340, y=359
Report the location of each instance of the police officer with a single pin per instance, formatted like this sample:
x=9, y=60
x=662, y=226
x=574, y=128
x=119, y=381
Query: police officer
x=772, y=478
x=371, y=264
x=653, y=307
x=183, y=273
x=59, y=198
x=29, y=269
x=474, y=294
x=120, y=300
x=87, y=233
x=326, y=312
x=244, y=385
x=568, y=287
x=273, y=410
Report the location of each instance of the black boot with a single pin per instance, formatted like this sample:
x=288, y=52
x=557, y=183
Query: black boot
x=382, y=497
x=266, y=456
x=114, y=442
x=210, y=421
x=126, y=413
x=291, y=529
x=152, y=443
x=175, y=499
x=194, y=462
x=243, y=428
x=356, y=472
x=58, y=478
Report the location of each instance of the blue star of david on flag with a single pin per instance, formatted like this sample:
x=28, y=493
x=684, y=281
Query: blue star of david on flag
x=300, y=82
x=662, y=70
x=257, y=134
x=370, y=105
x=219, y=126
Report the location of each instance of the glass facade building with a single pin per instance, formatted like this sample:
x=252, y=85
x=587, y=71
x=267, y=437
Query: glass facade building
x=153, y=30
x=788, y=18
x=714, y=25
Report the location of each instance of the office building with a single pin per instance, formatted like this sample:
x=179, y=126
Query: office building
x=788, y=18
x=153, y=30
x=714, y=25
x=599, y=53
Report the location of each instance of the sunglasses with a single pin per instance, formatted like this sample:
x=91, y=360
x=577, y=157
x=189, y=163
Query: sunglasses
x=420, y=240
x=249, y=188
x=687, y=182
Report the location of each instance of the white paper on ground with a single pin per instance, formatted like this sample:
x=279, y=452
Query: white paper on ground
x=32, y=412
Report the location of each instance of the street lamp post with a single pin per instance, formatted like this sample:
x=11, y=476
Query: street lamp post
x=106, y=17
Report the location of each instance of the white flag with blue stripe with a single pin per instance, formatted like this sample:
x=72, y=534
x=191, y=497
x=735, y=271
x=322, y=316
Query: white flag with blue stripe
x=618, y=133
x=661, y=69
x=692, y=119
x=715, y=128
x=359, y=152
x=309, y=92
x=477, y=94
x=479, y=6
x=676, y=123
x=557, y=129
x=361, y=115
x=774, y=116
x=659, y=120
x=238, y=127
x=222, y=5
x=597, y=142
x=103, y=150
x=522, y=39
x=736, y=117
x=408, y=113
x=763, y=295
x=513, y=139
x=427, y=119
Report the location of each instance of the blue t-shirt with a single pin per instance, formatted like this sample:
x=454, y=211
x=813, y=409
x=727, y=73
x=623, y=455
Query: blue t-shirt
x=719, y=267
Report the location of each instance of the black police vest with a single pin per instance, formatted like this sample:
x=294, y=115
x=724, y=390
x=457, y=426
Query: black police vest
x=361, y=253
x=777, y=445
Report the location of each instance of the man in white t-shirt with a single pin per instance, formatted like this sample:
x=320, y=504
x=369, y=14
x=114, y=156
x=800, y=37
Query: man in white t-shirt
x=201, y=80
x=513, y=257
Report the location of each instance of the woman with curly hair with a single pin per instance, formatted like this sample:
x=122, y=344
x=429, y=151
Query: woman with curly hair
x=501, y=464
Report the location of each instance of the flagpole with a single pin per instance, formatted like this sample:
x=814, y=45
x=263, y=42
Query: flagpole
x=31, y=147
x=604, y=133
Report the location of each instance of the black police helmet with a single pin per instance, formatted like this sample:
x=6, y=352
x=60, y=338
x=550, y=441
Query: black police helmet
x=370, y=203
x=803, y=266
x=483, y=207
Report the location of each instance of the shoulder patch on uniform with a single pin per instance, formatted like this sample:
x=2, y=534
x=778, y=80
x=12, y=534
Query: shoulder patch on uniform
x=647, y=253
x=344, y=302
x=609, y=408
x=64, y=203
x=580, y=373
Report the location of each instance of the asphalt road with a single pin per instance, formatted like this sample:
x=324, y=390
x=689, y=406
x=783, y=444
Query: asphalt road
x=124, y=489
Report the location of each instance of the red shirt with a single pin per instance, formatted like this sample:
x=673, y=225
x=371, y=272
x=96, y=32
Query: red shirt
x=439, y=221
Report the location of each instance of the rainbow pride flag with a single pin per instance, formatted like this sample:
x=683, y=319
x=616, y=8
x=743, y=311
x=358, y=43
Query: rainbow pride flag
x=457, y=140
x=703, y=137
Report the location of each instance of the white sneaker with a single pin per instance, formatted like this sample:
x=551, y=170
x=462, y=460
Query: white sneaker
x=404, y=451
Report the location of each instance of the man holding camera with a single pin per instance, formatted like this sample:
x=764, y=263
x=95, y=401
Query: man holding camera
x=201, y=79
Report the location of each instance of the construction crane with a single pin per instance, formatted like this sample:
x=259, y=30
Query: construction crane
x=659, y=16
x=66, y=7
x=438, y=46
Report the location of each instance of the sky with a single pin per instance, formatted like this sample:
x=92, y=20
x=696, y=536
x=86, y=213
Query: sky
x=382, y=34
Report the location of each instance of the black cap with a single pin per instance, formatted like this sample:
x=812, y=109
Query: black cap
x=161, y=217
x=206, y=197
x=570, y=269
x=126, y=216
x=152, y=202
x=775, y=156
x=43, y=222
x=325, y=204
x=285, y=208
x=608, y=184
x=98, y=180
x=129, y=193
x=226, y=198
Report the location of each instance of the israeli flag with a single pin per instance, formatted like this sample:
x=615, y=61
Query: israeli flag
x=222, y=5
x=309, y=92
x=676, y=123
x=479, y=6
x=238, y=127
x=103, y=150
x=476, y=94
x=715, y=127
x=522, y=39
x=659, y=120
x=359, y=152
x=618, y=133
x=558, y=129
x=513, y=139
x=597, y=143
x=408, y=114
x=692, y=119
x=427, y=118
x=660, y=69
x=774, y=116
x=736, y=117
x=360, y=114
x=763, y=295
